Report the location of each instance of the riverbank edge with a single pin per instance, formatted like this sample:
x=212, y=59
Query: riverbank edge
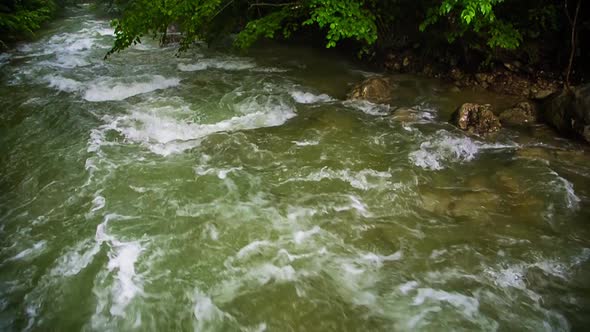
x=567, y=112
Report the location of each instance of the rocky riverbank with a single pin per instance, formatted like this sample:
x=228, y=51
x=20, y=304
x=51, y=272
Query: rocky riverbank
x=510, y=78
x=543, y=101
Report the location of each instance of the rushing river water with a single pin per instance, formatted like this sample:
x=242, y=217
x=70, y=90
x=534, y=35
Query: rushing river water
x=219, y=192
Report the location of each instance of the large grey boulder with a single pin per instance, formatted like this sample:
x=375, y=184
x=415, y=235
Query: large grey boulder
x=569, y=112
x=476, y=119
x=523, y=113
x=374, y=89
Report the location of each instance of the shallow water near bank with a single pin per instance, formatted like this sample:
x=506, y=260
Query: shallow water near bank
x=227, y=192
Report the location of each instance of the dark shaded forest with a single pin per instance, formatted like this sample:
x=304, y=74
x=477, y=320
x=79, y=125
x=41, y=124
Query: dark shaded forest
x=530, y=36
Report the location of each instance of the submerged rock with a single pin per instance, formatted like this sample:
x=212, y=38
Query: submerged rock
x=553, y=155
x=477, y=204
x=476, y=118
x=520, y=114
x=569, y=112
x=374, y=89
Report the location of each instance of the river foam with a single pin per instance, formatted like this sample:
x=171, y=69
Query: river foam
x=309, y=98
x=215, y=63
x=63, y=84
x=124, y=283
x=368, y=107
x=107, y=89
x=318, y=224
x=444, y=147
x=364, y=179
x=166, y=136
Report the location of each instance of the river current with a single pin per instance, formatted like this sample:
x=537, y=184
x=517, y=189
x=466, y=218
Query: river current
x=213, y=191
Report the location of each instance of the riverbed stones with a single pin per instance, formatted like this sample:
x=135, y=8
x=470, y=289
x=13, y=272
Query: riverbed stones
x=476, y=119
x=475, y=204
x=523, y=113
x=552, y=155
x=375, y=89
x=569, y=112
x=405, y=114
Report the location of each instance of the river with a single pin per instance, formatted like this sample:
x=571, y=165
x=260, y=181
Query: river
x=213, y=191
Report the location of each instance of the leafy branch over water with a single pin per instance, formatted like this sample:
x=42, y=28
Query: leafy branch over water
x=534, y=32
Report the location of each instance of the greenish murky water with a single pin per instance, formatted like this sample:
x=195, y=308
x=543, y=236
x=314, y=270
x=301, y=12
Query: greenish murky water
x=219, y=192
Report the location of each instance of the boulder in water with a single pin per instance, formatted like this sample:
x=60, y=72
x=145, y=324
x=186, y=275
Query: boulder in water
x=520, y=114
x=476, y=204
x=569, y=112
x=374, y=89
x=550, y=155
x=476, y=119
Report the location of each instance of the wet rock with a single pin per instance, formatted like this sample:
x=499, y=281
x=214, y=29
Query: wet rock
x=509, y=184
x=471, y=204
x=404, y=114
x=476, y=119
x=434, y=203
x=513, y=66
x=456, y=74
x=569, y=112
x=374, y=89
x=393, y=62
x=520, y=114
x=511, y=83
x=475, y=204
x=484, y=78
x=541, y=93
x=406, y=61
x=427, y=70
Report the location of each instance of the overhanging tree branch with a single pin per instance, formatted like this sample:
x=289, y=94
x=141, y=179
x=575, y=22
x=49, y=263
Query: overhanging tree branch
x=573, y=42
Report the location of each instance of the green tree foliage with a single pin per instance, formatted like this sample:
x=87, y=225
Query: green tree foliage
x=474, y=31
x=475, y=16
x=341, y=19
x=479, y=23
x=20, y=18
x=153, y=17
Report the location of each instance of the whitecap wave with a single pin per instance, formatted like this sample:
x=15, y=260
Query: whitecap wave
x=264, y=273
x=4, y=59
x=300, y=236
x=444, y=148
x=408, y=287
x=368, y=107
x=127, y=285
x=378, y=260
x=571, y=199
x=76, y=259
x=364, y=179
x=63, y=84
x=269, y=70
x=251, y=248
x=415, y=114
x=166, y=135
x=206, y=313
x=123, y=257
x=309, y=98
x=113, y=89
x=31, y=252
x=305, y=143
x=468, y=305
x=223, y=63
